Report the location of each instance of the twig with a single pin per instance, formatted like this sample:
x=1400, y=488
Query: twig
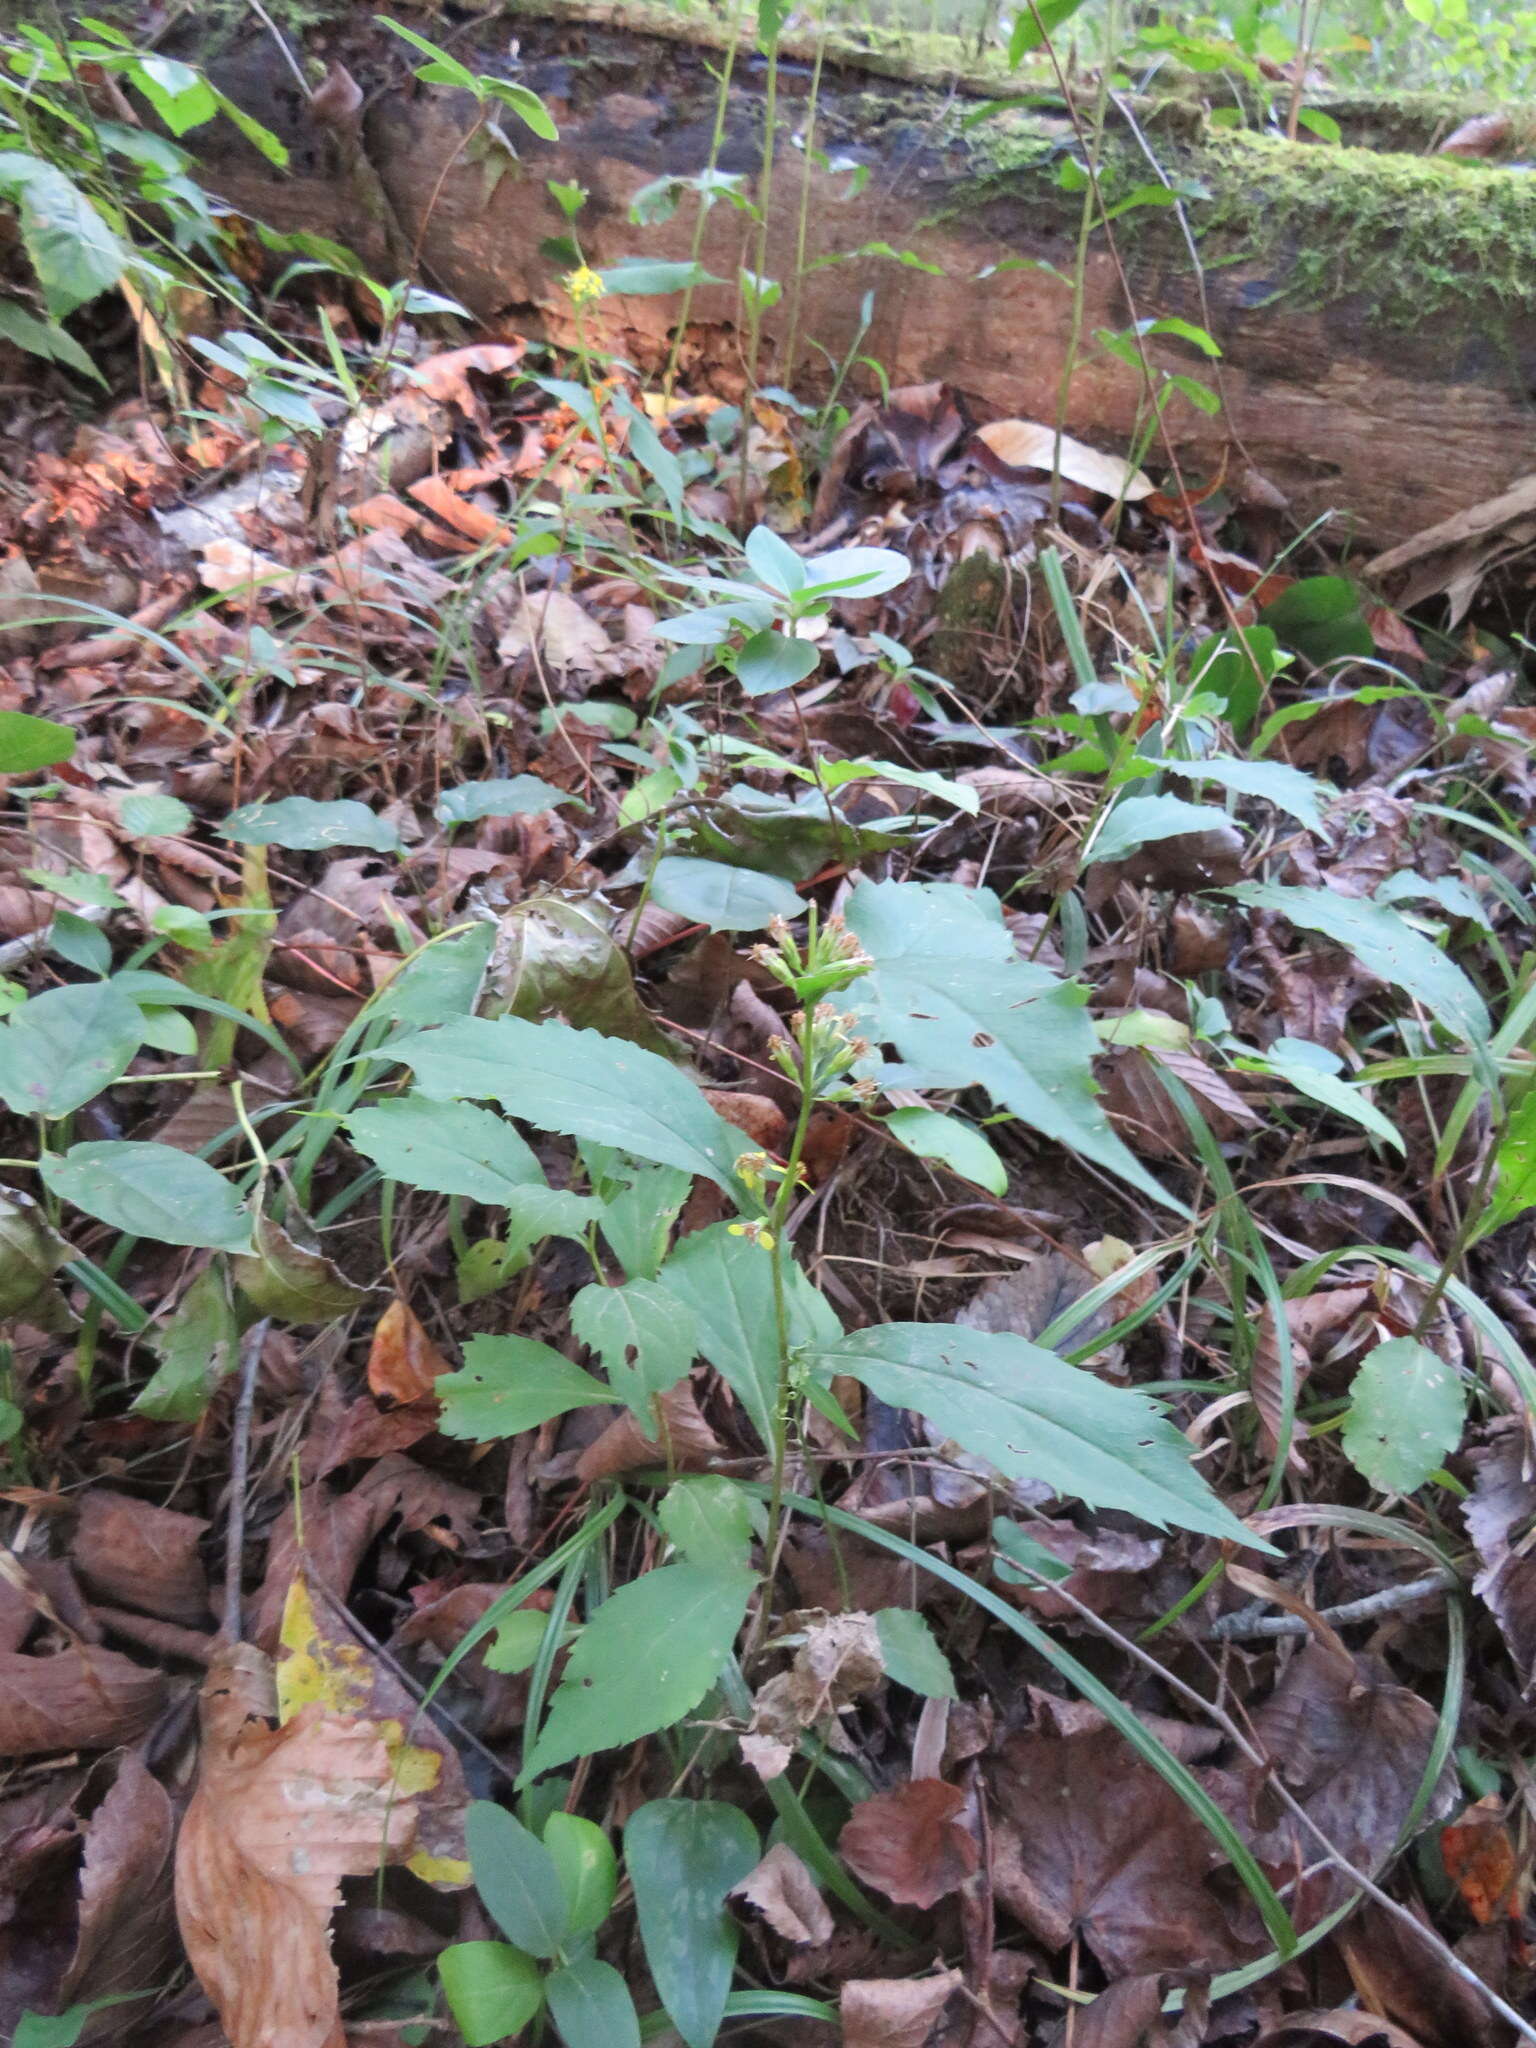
x=239, y=1474
x=281, y=41
x=1252, y=1621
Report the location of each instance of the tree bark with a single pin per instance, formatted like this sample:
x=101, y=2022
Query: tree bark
x=1376, y=313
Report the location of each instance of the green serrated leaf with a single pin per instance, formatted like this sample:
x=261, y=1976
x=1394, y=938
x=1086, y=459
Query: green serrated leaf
x=75, y=254
x=151, y=1191
x=726, y=1283
x=677, y=1624
x=452, y=1148
x=149, y=815
x=1514, y=1191
x=580, y=1084
x=1407, y=1409
x=644, y=1337
x=1137, y=820
x=29, y=744
x=510, y=1384
x=911, y=1655
x=197, y=1346
x=709, y=1519
x=1036, y=1418
x=950, y=992
x=1276, y=782
x=683, y=1856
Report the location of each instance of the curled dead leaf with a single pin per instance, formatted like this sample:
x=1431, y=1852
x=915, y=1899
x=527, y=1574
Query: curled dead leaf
x=403, y=1362
x=83, y=1698
x=785, y=1893
x=1026, y=444
x=139, y=1555
x=879, y=2012
x=279, y=1817
x=908, y=1843
x=1321, y=2029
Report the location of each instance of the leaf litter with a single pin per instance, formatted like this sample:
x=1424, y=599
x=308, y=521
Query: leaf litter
x=1178, y=1047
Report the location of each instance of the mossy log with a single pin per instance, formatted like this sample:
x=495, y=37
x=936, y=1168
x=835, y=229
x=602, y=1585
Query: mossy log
x=1376, y=311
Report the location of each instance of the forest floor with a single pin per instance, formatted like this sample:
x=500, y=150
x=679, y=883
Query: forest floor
x=1169, y=993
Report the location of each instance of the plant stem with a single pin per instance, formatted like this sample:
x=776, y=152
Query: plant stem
x=802, y=229
x=716, y=142
x=778, y=1253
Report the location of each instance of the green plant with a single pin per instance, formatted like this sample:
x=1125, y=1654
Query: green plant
x=103, y=203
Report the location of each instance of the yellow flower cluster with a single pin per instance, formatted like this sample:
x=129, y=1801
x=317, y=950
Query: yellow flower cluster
x=584, y=285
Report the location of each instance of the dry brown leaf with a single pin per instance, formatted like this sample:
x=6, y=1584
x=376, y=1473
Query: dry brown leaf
x=785, y=1893
x=125, y=1928
x=1129, y=1874
x=134, y=1553
x=1352, y=1748
x=1481, y=135
x=1130, y=2015
x=908, y=1844
x=566, y=636
x=84, y=1698
x=1025, y=444
x=686, y=1442
x=279, y=1817
x=1497, y=1516
x=838, y=1662
x=1311, y=1320
x=403, y=1362
x=1322, y=2029
x=760, y=1117
x=880, y=2012
x=339, y=1527
x=445, y=377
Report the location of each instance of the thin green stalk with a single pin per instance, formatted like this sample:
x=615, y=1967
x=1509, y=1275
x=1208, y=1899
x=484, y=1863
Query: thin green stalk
x=778, y=1253
x=802, y=226
x=716, y=143
x=760, y=259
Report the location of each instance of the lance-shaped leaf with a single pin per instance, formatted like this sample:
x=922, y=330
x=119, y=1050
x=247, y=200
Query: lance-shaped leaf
x=1035, y=1417
x=644, y=1660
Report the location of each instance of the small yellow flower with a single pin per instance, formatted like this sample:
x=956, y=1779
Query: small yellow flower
x=583, y=285
x=755, y=1233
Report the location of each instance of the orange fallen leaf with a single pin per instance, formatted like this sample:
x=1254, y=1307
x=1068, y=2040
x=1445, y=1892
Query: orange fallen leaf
x=457, y=513
x=1480, y=1861
x=403, y=1363
x=279, y=1817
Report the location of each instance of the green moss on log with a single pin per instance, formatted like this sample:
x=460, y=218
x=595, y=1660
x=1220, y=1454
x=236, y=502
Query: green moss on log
x=1412, y=236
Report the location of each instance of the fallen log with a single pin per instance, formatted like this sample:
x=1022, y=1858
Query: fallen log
x=1375, y=311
